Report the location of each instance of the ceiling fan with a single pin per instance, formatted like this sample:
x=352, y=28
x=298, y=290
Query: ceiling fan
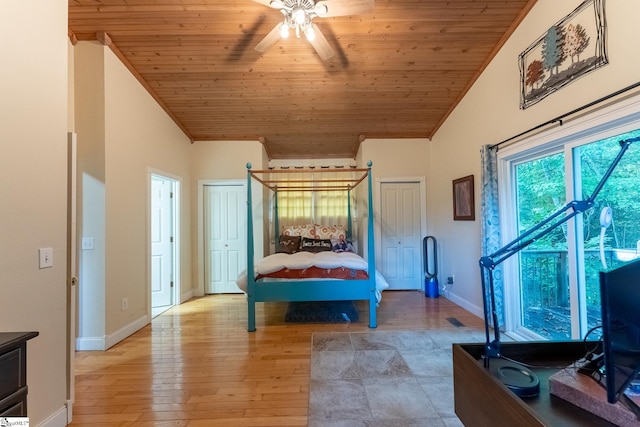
x=299, y=14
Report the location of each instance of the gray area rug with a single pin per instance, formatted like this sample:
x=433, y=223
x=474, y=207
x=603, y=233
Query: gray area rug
x=377, y=379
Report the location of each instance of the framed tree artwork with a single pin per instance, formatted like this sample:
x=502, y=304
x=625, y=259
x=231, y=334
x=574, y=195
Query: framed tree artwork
x=463, y=199
x=569, y=49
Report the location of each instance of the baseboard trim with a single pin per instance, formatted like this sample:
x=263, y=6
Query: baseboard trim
x=90, y=343
x=126, y=331
x=69, y=406
x=107, y=341
x=186, y=296
x=57, y=419
x=472, y=308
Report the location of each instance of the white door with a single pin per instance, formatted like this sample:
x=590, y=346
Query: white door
x=401, y=255
x=162, y=243
x=225, y=241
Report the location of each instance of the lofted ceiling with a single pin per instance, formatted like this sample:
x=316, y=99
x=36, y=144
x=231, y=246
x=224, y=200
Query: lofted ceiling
x=398, y=70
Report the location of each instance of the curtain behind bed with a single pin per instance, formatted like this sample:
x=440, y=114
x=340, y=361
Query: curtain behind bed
x=313, y=207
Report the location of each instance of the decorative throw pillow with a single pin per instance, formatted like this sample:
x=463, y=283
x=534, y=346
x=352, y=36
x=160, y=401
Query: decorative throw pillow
x=330, y=232
x=305, y=230
x=289, y=244
x=315, y=245
x=341, y=245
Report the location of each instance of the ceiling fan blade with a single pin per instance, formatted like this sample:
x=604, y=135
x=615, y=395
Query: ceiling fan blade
x=343, y=7
x=276, y=4
x=321, y=45
x=270, y=39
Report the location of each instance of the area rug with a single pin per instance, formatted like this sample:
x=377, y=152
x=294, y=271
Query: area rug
x=321, y=312
x=385, y=378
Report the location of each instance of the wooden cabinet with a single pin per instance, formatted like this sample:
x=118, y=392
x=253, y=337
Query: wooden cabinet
x=13, y=373
x=481, y=400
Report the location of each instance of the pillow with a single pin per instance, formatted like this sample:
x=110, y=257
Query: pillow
x=288, y=244
x=305, y=230
x=341, y=245
x=315, y=245
x=330, y=232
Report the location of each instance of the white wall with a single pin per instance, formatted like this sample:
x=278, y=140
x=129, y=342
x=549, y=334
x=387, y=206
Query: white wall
x=139, y=136
x=88, y=105
x=123, y=135
x=33, y=172
x=490, y=113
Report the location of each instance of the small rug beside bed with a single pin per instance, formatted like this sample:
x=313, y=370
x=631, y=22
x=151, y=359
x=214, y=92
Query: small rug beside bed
x=321, y=312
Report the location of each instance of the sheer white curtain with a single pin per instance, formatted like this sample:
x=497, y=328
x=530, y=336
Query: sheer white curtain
x=325, y=207
x=331, y=207
x=295, y=207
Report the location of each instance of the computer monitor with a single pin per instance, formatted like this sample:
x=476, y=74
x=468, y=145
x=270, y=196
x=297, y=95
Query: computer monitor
x=620, y=297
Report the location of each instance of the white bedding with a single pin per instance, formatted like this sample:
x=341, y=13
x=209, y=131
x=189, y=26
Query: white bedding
x=302, y=260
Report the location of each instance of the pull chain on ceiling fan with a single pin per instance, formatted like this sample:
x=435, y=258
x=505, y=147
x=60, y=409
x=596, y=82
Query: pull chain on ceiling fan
x=299, y=14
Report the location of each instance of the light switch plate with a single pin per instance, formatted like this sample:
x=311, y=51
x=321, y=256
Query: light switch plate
x=87, y=243
x=46, y=257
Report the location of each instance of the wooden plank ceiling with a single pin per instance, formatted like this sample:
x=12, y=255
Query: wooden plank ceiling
x=398, y=70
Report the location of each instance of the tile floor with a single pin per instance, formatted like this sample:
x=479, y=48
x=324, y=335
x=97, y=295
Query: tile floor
x=389, y=379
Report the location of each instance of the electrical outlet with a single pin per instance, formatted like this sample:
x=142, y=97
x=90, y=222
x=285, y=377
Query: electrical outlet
x=451, y=279
x=125, y=304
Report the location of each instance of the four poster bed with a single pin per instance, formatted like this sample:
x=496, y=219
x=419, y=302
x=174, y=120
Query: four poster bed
x=313, y=262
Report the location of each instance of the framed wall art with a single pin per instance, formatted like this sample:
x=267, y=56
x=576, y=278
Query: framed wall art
x=463, y=199
x=571, y=48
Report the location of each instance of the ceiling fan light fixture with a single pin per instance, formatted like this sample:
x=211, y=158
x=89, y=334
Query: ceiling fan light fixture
x=310, y=33
x=300, y=17
x=284, y=30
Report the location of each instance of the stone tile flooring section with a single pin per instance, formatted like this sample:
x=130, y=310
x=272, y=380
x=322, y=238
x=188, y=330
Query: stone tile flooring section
x=385, y=379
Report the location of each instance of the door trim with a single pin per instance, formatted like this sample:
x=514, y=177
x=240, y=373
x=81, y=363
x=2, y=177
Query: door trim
x=177, y=294
x=72, y=268
x=378, y=210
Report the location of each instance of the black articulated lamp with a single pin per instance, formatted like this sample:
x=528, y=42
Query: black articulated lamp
x=521, y=380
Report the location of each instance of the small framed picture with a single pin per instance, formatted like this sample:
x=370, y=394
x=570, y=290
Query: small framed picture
x=463, y=200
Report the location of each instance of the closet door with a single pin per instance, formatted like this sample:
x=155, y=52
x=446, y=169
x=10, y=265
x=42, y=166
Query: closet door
x=225, y=241
x=400, y=239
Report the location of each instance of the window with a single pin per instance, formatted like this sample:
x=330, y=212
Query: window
x=543, y=268
x=328, y=207
x=552, y=286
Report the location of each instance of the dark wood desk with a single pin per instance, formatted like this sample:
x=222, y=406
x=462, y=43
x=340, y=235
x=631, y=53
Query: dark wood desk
x=482, y=400
x=13, y=373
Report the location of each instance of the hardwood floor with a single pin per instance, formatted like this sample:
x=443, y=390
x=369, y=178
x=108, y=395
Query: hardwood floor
x=196, y=365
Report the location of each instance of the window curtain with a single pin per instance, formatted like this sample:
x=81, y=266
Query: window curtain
x=490, y=224
x=295, y=207
x=332, y=206
x=314, y=207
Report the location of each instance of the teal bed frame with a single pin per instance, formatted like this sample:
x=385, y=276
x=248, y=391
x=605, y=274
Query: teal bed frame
x=311, y=290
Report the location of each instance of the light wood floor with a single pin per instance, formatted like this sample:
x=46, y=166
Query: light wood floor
x=196, y=365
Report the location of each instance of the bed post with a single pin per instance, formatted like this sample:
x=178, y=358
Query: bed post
x=349, y=225
x=251, y=277
x=371, y=255
x=276, y=221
